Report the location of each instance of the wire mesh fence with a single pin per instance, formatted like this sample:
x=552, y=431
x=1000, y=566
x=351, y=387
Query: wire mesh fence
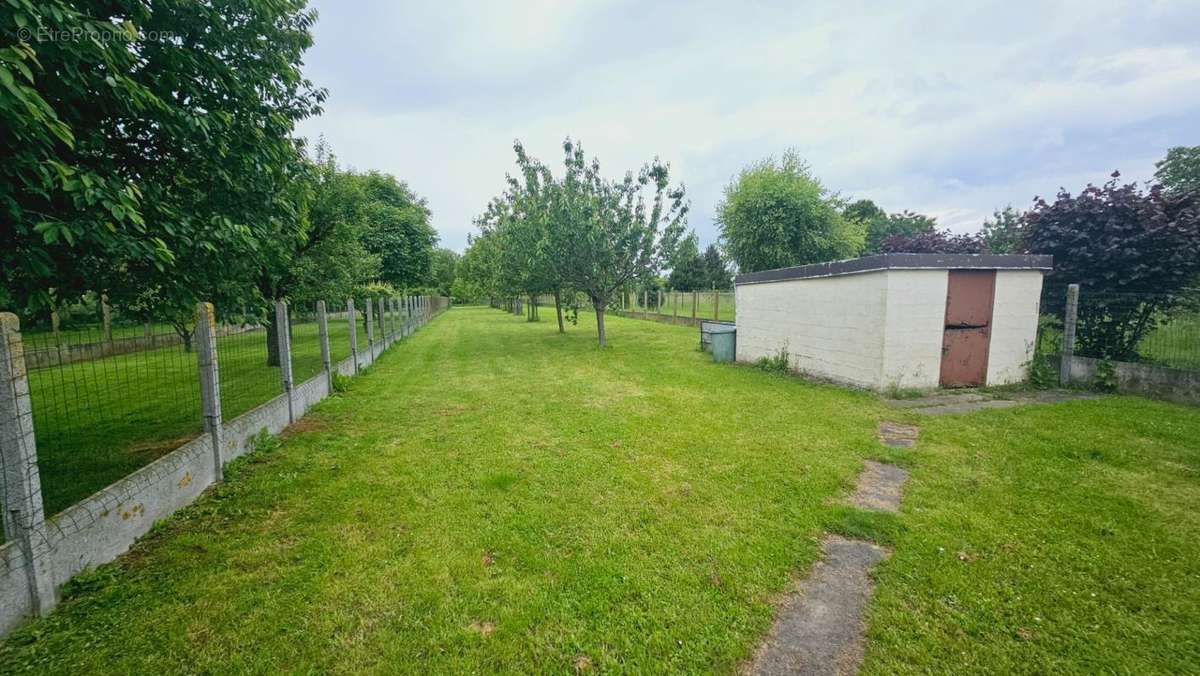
x=106, y=403
x=1160, y=329
x=110, y=394
x=248, y=360
x=710, y=304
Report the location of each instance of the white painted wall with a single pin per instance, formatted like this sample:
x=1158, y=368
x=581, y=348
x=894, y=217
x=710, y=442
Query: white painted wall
x=1014, y=325
x=913, y=326
x=883, y=328
x=830, y=326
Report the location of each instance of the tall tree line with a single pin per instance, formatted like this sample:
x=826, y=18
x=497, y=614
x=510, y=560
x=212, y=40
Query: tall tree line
x=148, y=153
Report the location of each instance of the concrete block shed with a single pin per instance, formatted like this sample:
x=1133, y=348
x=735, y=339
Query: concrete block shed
x=897, y=320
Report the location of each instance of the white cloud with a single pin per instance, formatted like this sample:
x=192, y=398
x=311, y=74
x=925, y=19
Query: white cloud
x=952, y=110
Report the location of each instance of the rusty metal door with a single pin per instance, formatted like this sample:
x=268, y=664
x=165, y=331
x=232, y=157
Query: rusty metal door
x=968, y=328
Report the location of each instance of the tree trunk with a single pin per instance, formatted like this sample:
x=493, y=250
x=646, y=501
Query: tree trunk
x=558, y=309
x=185, y=336
x=600, y=323
x=272, y=340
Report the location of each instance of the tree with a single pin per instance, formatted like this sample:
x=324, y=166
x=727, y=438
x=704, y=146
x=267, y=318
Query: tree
x=445, y=265
x=687, y=268
x=140, y=157
x=398, y=230
x=938, y=241
x=320, y=254
x=1132, y=252
x=777, y=214
x=715, y=272
x=864, y=211
x=1179, y=171
x=611, y=235
x=1003, y=231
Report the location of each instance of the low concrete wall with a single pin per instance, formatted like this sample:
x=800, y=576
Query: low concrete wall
x=1159, y=382
x=100, y=528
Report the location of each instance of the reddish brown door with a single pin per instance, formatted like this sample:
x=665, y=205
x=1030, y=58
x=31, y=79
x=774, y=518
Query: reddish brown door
x=968, y=329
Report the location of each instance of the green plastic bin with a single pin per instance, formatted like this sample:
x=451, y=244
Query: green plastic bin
x=724, y=342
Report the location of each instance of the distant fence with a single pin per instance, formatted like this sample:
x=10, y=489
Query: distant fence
x=1136, y=343
x=95, y=449
x=679, y=307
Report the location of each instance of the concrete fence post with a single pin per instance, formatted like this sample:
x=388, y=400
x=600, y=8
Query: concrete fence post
x=284, y=329
x=383, y=336
x=370, y=322
x=408, y=315
x=56, y=327
x=106, y=317
x=1068, y=347
x=323, y=334
x=210, y=383
x=24, y=517
x=353, y=332
x=716, y=305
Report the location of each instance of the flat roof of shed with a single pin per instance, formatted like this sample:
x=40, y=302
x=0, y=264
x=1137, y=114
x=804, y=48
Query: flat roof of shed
x=900, y=261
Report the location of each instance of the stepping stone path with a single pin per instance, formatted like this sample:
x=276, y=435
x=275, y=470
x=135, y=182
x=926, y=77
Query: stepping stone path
x=897, y=435
x=879, y=487
x=968, y=401
x=819, y=627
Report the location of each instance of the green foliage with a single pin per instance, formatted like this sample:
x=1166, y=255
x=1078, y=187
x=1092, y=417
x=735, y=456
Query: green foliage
x=882, y=227
x=1041, y=373
x=131, y=158
x=444, y=265
x=777, y=214
x=687, y=268
x=1004, y=231
x=397, y=230
x=1179, y=171
x=1133, y=252
x=1106, y=376
x=578, y=234
x=715, y=269
x=780, y=364
x=341, y=383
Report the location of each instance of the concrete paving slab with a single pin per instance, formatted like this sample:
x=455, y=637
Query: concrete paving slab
x=819, y=628
x=897, y=435
x=880, y=487
x=967, y=408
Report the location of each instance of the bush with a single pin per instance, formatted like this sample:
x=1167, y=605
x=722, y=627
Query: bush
x=1132, y=252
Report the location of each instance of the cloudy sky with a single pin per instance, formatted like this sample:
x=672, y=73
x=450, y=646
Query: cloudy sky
x=948, y=108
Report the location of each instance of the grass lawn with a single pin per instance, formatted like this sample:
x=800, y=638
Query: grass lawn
x=494, y=497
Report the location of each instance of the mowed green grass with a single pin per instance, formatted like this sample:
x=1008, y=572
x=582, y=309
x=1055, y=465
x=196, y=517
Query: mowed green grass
x=98, y=420
x=494, y=497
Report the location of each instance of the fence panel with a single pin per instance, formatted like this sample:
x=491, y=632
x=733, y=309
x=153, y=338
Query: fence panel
x=247, y=357
x=1158, y=329
x=106, y=402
